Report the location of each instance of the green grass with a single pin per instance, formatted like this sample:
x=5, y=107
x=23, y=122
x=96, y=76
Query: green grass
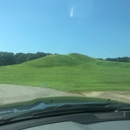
x=72, y=72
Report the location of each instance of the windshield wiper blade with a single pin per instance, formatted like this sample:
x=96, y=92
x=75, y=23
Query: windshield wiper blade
x=73, y=108
x=42, y=106
x=44, y=110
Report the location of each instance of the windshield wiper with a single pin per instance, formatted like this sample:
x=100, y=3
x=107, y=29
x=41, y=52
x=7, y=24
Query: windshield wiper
x=42, y=106
x=44, y=110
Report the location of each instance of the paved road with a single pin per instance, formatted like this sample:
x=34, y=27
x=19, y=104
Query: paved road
x=17, y=93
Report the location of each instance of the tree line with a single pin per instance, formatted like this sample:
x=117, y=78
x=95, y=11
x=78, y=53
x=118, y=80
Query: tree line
x=9, y=58
x=119, y=59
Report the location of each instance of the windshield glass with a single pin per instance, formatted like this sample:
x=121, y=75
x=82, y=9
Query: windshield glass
x=64, y=50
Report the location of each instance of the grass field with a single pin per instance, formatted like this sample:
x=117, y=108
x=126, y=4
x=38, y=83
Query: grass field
x=72, y=72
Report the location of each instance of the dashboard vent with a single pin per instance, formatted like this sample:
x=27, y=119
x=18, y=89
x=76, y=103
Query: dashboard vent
x=110, y=115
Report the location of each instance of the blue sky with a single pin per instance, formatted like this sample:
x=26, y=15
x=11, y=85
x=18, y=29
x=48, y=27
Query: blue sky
x=97, y=28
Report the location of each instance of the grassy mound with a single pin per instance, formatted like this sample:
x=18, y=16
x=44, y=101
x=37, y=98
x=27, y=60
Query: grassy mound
x=72, y=72
x=58, y=60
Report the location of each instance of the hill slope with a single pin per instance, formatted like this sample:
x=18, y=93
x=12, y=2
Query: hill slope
x=59, y=60
x=72, y=72
x=73, y=59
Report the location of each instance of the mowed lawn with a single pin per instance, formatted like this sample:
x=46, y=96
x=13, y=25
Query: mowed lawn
x=73, y=72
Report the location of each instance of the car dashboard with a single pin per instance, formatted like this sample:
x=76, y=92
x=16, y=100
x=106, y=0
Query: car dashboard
x=119, y=120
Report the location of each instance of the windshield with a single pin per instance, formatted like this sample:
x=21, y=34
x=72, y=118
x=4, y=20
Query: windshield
x=64, y=50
